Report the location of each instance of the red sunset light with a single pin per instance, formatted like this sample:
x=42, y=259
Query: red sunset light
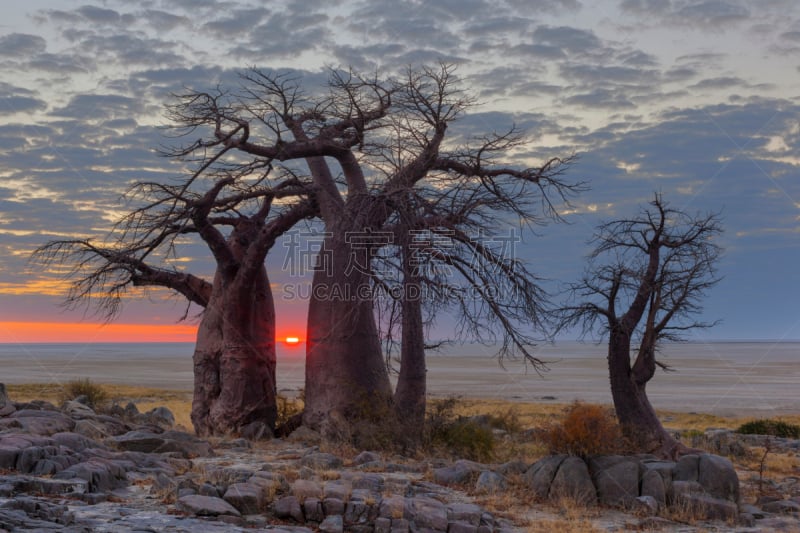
x=292, y=341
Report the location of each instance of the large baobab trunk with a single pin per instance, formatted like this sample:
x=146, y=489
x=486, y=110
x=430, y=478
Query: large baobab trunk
x=234, y=359
x=636, y=415
x=346, y=377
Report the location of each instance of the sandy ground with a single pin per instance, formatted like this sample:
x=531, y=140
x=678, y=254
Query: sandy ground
x=717, y=380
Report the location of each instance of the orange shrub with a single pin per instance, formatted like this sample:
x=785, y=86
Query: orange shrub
x=585, y=430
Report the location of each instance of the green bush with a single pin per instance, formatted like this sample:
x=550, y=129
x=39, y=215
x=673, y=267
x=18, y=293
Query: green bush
x=461, y=437
x=95, y=394
x=768, y=426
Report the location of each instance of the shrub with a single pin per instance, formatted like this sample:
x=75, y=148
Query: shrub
x=585, y=430
x=768, y=426
x=460, y=436
x=94, y=393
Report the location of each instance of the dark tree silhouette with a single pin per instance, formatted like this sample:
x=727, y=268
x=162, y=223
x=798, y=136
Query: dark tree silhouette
x=645, y=283
x=378, y=166
x=230, y=206
x=367, y=144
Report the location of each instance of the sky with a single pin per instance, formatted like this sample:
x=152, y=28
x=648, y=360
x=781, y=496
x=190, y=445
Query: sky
x=694, y=99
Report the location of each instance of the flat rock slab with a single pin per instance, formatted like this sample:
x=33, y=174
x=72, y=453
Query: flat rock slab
x=206, y=506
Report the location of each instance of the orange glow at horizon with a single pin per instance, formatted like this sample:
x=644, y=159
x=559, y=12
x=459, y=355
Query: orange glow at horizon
x=292, y=340
x=32, y=332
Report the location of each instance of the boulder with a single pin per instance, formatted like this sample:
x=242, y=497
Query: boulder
x=429, y=513
x=540, y=475
x=718, y=477
x=616, y=479
x=332, y=524
x=321, y=461
x=366, y=457
x=574, y=482
x=248, y=498
x=702, y=505
x=184, y=444
x=42, y=421
x=288, y=507
x=490, y=483
x=198, y=505
x=459, y=473
x=653, y=486
x=6, y=406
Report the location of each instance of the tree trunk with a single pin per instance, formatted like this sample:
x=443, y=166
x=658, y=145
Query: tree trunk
x=409, y=396
x=234, y=360
x=346, y=377
x=636, y=415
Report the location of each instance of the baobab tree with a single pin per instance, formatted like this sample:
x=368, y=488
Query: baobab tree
x=237, y=209
x=366, y=144
x=645, y=282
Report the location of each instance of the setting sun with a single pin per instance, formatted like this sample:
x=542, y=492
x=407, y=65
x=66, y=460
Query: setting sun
x=292, y=340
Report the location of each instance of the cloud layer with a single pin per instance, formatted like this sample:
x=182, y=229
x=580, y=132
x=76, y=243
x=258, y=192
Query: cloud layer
x=692, y=98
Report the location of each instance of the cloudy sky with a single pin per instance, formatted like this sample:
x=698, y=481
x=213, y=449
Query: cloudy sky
x=696, y=99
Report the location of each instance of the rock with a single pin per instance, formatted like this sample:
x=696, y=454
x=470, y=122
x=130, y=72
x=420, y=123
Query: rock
x=288, y=507
x=782, y=507
x=255, y=431
x=90, y=429
x=247, y=498
x=332, y=524
x=160, y=417
x=704, y=506
x=464, y=513
x=718, y=477
x=184, y=444
x=6, y=406
x=313, y=510
x=101, y=475
x=370, y=482
x=616, y=479
x=540, y=475
x=460, y=473
x=321, y=461
x=338, y=489
x=304, y=488
x=653, y=486
x=645, y=506
x=573, y=481
x=42, y=422
x=76, y=409
x=305, y=436
x=366, y=457
x=490, y=483
x=198, y=505
x=333, y=506
x=74, y=441
x=461, y=527
x=393, y=507
x=687, y=468
x=429, y=513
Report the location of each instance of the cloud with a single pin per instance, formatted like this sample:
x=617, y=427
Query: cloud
x=22, y=44
x=19, y=100
x=711, y=15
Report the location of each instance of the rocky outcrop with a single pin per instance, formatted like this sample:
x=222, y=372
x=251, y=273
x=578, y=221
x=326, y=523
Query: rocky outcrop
x=55, y=476
x=706, y=484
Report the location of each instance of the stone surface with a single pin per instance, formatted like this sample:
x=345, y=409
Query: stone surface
x=199, y=505
x=616, y=479
x=489, y=482
x=321, y=461
x=332, y=524
x=718, y=477
x=540, y=476
x=574, y=482
x=246, y=497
